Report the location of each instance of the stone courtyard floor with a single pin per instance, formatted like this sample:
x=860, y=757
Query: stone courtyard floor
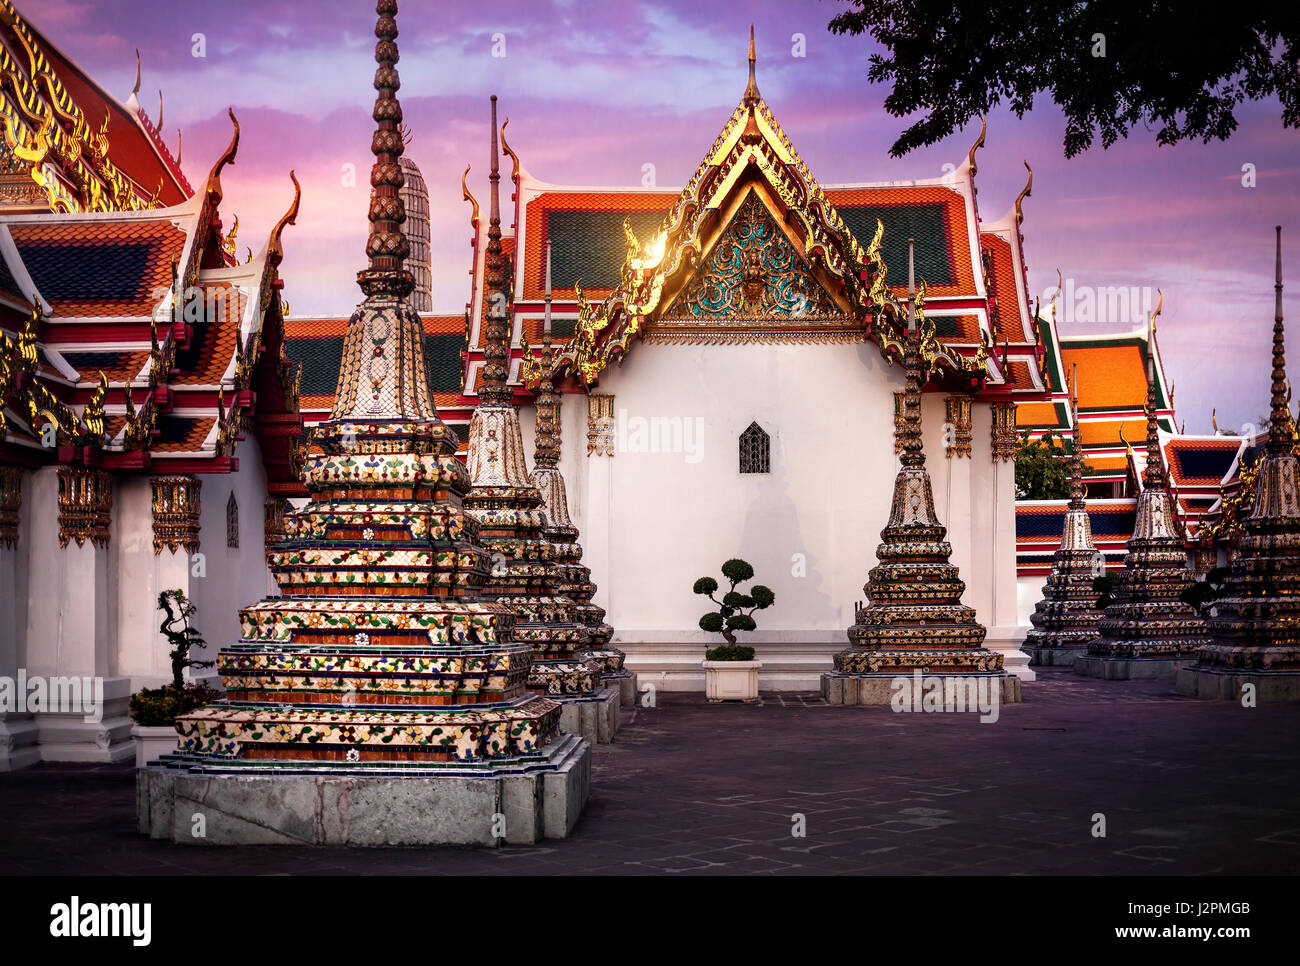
x=1186, y=787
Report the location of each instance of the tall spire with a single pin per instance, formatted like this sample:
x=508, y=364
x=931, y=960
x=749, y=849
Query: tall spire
x=752, y=96
x=386, y=247
x=382, y=374
x=547, y=449
x=1279, y=432
x=1076, y=457
x=1153, y=475
x=496, y=341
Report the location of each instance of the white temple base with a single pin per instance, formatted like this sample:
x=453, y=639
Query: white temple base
x=185, y=805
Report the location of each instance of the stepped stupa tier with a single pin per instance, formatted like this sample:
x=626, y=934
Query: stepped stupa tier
x=1148, y=630
x=383, y=678
x=512, y=522
x=1254, y=627
x=914, y=620
x=1065, y=620
x=574, y=579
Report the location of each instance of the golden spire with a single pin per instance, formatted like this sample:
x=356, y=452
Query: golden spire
x=979, y=143
x=466, y=196
x=1028, y=189
x=387, y=246
x=136, y=88
x=752, y=96
x=496, y=342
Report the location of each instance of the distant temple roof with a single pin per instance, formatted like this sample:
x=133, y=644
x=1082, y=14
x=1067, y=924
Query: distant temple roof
x=68, y=144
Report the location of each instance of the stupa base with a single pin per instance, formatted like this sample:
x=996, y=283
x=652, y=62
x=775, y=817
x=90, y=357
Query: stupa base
x=839, y=687
x=1225, y=684
x=625, y=683
x=187, y=801
x=1129, y=668
x=590, y=716
x=1055, y=656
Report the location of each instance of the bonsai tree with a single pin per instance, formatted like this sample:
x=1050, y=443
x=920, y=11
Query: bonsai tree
x=182, y=637
x=734, y=611
x=159, y=707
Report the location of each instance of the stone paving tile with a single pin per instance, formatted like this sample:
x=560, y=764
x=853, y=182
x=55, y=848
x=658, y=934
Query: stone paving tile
x=689, y=788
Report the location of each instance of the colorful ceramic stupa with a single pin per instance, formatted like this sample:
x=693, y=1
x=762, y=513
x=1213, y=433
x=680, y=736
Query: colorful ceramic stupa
x=574, y=578
x=914, y=620
x=1065, y=620
x=1254, y=627
x=1148, y=630
x=512, y=520
x=382, y=699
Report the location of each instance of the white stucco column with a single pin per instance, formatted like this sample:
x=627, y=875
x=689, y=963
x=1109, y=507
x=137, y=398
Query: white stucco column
x=1005, y=632
x=956, y=514
x=71, y=632
x=18, y=732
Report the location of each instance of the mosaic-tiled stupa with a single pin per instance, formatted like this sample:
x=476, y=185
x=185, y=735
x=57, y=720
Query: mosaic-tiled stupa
x=1148, y=630
x=1254, y=627
x=913, y=619
x=512, y=520
x=366, y=698
x=574, y=578
x=1065, y=620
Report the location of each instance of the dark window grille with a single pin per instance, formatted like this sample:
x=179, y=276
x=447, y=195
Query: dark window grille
x=232, y=523
x=755, y=450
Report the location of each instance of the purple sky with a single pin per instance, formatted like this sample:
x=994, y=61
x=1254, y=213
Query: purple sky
x=595, y=90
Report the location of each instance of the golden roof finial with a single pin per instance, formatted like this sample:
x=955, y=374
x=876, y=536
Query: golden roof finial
x=752, y=96
x=227, y=157
x=158, y=126
x=136, y=88
x=1214, y=420
x=1029, y=186
x=979, y=143
x=178, y=146
x=274, y=250
x=514, y=158
x=464, y=190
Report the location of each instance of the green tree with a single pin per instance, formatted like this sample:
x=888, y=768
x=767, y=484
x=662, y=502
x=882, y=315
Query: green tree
x=734, y=611
x=1110, y=64
x=1042, y=468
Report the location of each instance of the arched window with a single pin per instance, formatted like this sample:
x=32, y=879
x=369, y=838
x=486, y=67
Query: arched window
x=755, y=450
x=232, y=522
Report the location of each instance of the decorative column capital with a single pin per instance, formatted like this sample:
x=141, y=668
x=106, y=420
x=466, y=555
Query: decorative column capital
x=85, y=505
x=600, y=424
x=176, y=513
x=1004, y=432
x=957, y=427
x=11, y=499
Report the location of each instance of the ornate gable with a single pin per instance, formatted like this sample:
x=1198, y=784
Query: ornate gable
x=751, y=198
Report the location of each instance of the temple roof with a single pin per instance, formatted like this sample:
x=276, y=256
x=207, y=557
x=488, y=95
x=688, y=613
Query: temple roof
x=974, y=273
x=68, y=144
x=150, y=347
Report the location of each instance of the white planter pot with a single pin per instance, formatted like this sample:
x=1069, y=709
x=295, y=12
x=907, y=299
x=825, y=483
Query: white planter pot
x=152, y=741
x=731, y=680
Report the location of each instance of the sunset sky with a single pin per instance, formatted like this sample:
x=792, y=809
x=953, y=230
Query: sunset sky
x=596, y=90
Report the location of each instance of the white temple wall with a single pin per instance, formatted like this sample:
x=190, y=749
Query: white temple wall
x=142, y=650
x=1029, y=591
x=234, y=577
x=652, y=522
